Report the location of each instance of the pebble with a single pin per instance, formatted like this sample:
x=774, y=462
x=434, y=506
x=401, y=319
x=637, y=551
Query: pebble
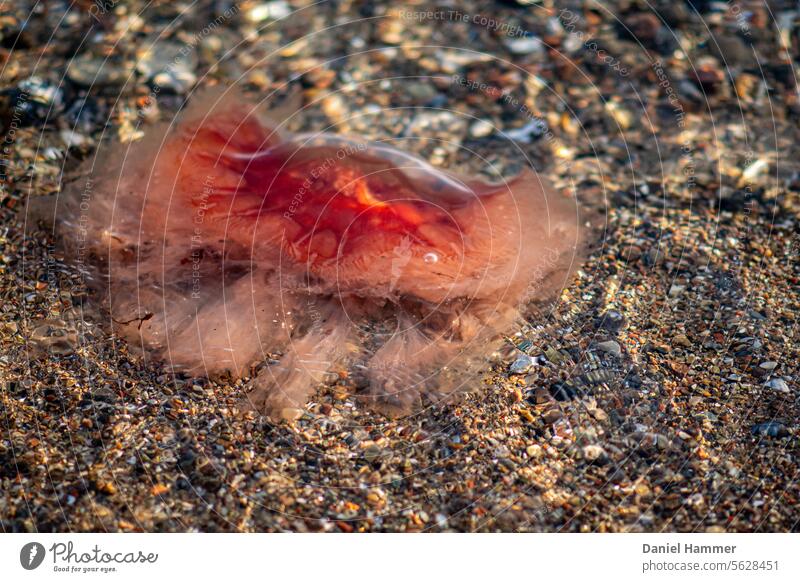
x=563, y=392
x=594, y=453
x=372, y=453
x=84, y=115
x=539, y=396
x=335, y=108
x=778, y=384
x=36, y=99
x=54, y=336
x=612, y=321
x=525, y=45
x=647, y=29
x=552, y=416
x=534, y=451
x=768, y=366
x=676, y=290
x=481, y=128
x=103, y=394
x=610, y=347
x=421, y=93
x=291, y=414
x=682, y=340
x=168, y=65
x=73, y=138
x=175, y=81
x=426, y=122
x=268, y=11
x=88, y=70
x=528, y=132
x=770, y=429
x=522, y=364
x=454, y=60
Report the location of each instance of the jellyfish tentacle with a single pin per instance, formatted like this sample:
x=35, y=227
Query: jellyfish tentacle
x=229, y=334
x=310, y=354
x=434, y=357
x=407, y=365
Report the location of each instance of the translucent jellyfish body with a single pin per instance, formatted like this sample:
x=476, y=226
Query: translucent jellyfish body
x=222, y=244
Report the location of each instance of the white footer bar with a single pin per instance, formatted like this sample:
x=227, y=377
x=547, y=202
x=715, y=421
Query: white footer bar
x=402, y=557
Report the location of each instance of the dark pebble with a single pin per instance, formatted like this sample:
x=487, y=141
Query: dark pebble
x=563, y=392
x=770, y=429
x=611, y=321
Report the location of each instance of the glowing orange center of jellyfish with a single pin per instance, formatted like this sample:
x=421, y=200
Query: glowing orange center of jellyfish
x=330, y=200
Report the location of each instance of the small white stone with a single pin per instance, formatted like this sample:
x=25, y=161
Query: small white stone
x=525, y=45
x=269, y=11
x=778, y=384
x=481, y=128
x=676, y=290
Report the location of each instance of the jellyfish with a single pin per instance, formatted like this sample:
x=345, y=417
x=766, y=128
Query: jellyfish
x=222, y=244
